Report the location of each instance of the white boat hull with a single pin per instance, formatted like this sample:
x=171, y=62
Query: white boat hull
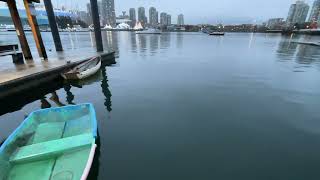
x=89, y=72
x=83, y=74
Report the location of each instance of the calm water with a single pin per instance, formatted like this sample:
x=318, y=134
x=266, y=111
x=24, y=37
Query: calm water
x=193, y=107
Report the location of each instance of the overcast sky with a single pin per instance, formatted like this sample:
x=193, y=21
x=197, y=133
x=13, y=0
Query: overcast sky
x=205, y=11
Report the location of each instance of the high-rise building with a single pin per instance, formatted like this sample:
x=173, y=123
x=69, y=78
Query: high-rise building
x=168, y=19
x=133, y=16
x=298, y=13
x=315, y=11
x=302, y=10
x=89, y=17
x=108, y=13
x=163, y=18
x=153, y=17
x=180, y=20
x=142, y=15
x=291, y=14
x=157, y=17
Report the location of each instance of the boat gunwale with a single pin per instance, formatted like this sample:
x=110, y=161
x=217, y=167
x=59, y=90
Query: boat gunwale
x=76, y=69
x=17, y=130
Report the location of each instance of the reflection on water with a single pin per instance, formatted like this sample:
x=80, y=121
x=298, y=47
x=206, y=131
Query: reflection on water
x=70, y=96
x=142, y=39
x=308, y=54
x=289, y=49
x=44, y=103
x=179, y=40
x=55, y=98
x=105, y=90
x=134, y=46
x=110, y=41
x=154, y=44
x=165, y=41
x=175, y=102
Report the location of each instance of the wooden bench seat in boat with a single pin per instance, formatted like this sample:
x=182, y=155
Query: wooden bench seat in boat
x=50, y=148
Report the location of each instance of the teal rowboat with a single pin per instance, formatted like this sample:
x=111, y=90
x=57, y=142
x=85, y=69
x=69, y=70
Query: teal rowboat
x=51, y=144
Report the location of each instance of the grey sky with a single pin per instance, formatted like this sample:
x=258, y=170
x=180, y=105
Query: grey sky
x=205, y=11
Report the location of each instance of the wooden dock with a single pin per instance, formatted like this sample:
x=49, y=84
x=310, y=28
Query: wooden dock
x=16, y=81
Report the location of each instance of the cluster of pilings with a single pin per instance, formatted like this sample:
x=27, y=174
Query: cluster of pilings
x=31, y=15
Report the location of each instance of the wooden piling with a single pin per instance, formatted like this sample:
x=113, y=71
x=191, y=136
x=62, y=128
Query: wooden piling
x=31, y=14
x=96, y=24
x=53, y=25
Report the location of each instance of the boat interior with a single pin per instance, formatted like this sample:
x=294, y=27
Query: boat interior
x=54, y=143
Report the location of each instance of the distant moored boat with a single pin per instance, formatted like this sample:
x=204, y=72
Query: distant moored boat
x=149, y=31
x=217, y=34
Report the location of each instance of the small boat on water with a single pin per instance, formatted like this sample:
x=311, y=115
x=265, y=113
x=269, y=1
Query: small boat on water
x=56, y=143
x=149, y=31
x=217, y=34
x=83, y=70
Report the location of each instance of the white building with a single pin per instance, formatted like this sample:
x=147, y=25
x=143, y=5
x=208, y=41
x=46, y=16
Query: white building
x=180, y=20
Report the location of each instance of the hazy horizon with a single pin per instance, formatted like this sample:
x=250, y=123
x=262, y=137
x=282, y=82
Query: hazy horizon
x=206, y=11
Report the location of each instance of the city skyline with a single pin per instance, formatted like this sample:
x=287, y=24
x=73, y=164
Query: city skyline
x=211, y=11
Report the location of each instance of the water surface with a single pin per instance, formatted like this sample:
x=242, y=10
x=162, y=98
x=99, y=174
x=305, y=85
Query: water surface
x=191, y=106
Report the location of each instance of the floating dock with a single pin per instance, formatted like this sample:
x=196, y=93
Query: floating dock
x=28, y=76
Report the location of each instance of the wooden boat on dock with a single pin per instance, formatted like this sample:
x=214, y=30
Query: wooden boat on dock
x=55, y=143
x=83, y=70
